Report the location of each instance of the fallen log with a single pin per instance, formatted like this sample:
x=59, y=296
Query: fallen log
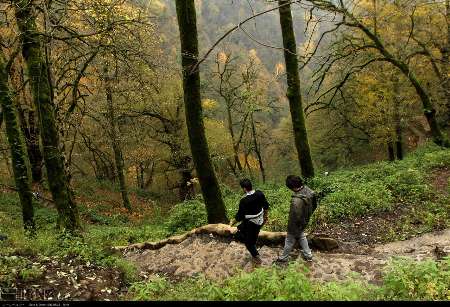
x=318, y=242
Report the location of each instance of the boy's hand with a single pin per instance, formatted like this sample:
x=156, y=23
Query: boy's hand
x=265, y=217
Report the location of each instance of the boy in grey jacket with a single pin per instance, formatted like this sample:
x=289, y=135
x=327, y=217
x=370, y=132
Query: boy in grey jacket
x=297, y=219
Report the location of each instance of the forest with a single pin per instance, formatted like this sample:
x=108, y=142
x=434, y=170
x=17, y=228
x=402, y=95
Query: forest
x=128, y=126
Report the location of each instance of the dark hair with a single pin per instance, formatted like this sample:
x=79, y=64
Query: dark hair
x=294, y=182
x=246, y=184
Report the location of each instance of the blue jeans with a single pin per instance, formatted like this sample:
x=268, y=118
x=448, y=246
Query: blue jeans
x=289, y=245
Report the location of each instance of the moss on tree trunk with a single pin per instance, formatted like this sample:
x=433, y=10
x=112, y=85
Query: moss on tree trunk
x=398, y=121
x=193, y=111
x=17, y=148
x=391, y=152
x=293, y=91
x=42, y=99
x=118, y=158
x=446, y=64
x=31, y=132
x=27, y=118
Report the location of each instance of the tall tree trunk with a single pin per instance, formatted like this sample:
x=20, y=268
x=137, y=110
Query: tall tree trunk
x=186, y=190
x=140, y=175
x=398, y=121
x=18, y=152
x=446, y=64
x=235, y=145
x=149, y=173
x=41, y=92
x=293, y=91
x=7, y=164
x=34, y=151
x=391, y=152
x=27, y=120
x=31, y=132
x=181, y=163
x=118, y=158
x=399, y=143
x=187, y=24
x=247, y=163
x=375, y=13
x=257, y=151
x=233, y=168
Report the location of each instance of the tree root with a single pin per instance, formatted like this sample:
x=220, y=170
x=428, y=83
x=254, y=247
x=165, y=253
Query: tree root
x=318, y=242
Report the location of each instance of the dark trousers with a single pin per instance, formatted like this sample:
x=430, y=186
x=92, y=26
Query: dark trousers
x=248, y=234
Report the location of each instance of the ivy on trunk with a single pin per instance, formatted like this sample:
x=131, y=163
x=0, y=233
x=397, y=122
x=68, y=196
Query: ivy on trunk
x=212, y=195
x=293, y=92
x=17, y=148
x=42, y=98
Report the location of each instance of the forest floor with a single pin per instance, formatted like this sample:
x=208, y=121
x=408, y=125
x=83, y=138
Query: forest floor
x=216, y=258
x=219, y=258
x=64, y=279
x=86, y=269
x=388, y=226
x=363, y=249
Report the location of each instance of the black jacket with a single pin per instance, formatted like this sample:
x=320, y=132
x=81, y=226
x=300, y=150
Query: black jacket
x=251, y=205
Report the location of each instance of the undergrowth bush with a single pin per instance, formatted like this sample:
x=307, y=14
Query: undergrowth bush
x=10, y=268
x=369, y=189
x=409, y=280
x=408, y=184
x=31, y=274
x=403, y=280
x=149, y=290
x=371, y=197
x=347, y=193
x=437, y=159
x=262, y=284
x=114, y=235
x=186, y=216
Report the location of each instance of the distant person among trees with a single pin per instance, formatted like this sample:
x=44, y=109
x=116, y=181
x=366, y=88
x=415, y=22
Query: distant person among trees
x=303, y=203
x=253, y=209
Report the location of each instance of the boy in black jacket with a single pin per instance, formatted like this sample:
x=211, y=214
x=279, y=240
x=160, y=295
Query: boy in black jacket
x=253, y=209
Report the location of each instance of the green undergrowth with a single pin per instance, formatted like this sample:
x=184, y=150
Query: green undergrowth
x=403, y=279
x=371, y=189
x=266, y=284
x=93, y=246
x=427, y=217
x=346, y=194
x=408, y=280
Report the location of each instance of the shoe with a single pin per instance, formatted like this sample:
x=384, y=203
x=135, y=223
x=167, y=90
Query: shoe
x=307, y=258
x=279, y=261
x=257, y=260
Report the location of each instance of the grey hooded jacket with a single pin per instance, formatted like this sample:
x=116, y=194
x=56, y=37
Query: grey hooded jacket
x=297, y=213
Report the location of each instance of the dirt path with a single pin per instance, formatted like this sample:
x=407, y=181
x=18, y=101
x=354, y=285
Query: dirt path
x=218, y=258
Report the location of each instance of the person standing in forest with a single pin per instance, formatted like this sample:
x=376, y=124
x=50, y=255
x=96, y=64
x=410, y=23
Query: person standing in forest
x=253, y=209
x=303, y=203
